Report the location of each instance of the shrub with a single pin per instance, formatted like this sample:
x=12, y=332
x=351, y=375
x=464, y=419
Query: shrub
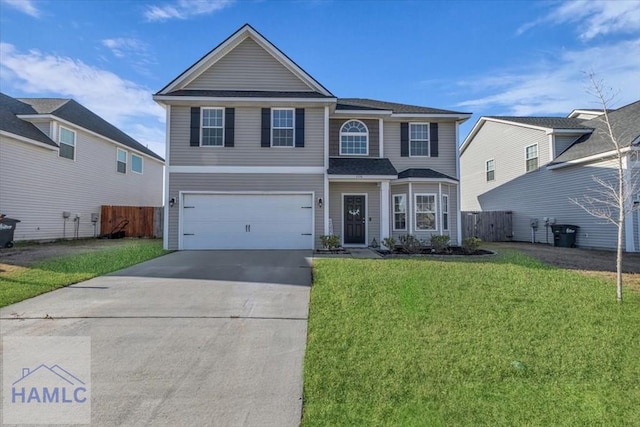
x=389, y=243
x=471, y=244
x=330, y=242
x=410, y=244
x=440, y=243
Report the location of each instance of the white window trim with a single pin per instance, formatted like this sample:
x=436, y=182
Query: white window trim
x=487, y=170
x=202, y=126
x=75, y=138
x=141, y=164
x=415, y=211
x=428, y=138
x=393, y=220
x=367, y=134
x=526, y=159
x=126, y=155
x=293, y=127
x=445, y=224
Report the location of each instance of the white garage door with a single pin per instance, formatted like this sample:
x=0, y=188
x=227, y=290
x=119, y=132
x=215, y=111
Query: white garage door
x=247, y=221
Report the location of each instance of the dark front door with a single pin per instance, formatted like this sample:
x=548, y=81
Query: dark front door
x=355, y=216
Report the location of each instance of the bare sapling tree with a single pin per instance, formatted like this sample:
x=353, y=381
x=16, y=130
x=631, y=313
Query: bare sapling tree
x=612, y=199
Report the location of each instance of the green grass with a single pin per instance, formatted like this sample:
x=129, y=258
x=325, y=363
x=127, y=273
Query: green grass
x=502, y=341
x=17, y=284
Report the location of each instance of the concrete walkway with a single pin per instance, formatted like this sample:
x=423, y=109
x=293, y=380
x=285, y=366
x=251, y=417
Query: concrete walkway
x=191, y=338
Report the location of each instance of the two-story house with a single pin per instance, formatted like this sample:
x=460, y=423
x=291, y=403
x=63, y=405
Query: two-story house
x=60, y=162
x=261, y=155
x=534, y=166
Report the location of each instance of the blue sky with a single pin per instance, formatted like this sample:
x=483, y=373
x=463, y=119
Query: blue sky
x=489, y=58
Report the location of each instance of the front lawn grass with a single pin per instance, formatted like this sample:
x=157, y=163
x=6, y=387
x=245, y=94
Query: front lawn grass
x=502, y=341
x=20, y=283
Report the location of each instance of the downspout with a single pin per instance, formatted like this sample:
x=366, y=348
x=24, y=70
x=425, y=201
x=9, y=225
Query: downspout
x=165, y=231
x=629, y=241
x=440, y=210
x=458, y=197
x=326, y=168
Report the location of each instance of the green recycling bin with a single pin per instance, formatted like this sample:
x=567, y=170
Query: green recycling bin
x=564, y=235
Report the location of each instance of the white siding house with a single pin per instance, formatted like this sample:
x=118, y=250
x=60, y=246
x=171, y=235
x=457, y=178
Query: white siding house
x=56, y=156
x=500, y=173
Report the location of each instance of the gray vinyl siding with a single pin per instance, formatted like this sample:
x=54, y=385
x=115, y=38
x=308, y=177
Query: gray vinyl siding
x=246, y=150
x=506, y=145
x=334, y=137
x=539, y=194
x=36, y=186
x=562, y=142
x=447, y=145
x=45, y=127
x=336, y=189
x=427, y=188
x=248, y=67
x=242, y=183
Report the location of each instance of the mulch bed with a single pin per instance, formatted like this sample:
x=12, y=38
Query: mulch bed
x=453, y=250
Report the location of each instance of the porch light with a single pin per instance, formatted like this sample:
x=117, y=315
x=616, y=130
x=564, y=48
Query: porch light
x=172, y=202
x=320, y=202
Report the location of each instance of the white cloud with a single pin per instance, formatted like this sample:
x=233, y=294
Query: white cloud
x=122, y=46
x=119, y=101
x=149, y=136
x=24, y=6
x=183, y=9
x=559, y=85
x=594, y=17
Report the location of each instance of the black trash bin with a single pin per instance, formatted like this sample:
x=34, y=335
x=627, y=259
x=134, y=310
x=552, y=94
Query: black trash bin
x=7, y=227
x=564, y=235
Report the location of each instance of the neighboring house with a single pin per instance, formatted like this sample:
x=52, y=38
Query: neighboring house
x=261, y=155
x=59, y=159
x=532, y=166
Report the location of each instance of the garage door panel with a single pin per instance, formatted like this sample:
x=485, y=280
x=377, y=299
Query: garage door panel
x=247, y=221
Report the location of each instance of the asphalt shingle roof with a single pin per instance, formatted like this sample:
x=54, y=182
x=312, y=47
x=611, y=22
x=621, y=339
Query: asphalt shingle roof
x=625, y=122
x=9, y=107
x=372, y=104
x=73, y=112
x=546, y=122
x=245, y=94
x=423, y=173
x=360, y=166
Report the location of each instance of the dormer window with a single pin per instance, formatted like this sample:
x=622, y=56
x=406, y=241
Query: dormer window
x=354, y=138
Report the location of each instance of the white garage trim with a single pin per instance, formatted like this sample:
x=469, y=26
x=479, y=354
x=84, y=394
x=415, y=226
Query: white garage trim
x=299, y=170
x=183, y=194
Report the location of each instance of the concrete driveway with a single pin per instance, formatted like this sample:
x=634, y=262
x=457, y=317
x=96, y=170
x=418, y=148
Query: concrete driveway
x=191, y=338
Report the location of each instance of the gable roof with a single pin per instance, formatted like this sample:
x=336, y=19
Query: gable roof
x=73, y=112
x=229, y=44
x=9, y=122
x=625, y=122
x=245, y=94
x=394, y=107
x=545, y=122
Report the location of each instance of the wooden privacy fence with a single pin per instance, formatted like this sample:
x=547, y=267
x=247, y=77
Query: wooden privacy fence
x=144, y=221
x=489, y=226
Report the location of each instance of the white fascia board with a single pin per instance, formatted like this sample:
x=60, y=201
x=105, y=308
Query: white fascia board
x=161, y=99
x=222, y=50
x=588, y=159
x=427, y=180
x=74, y=125
x=362, y=178
x=28, y=140
x=295, y=170
x=472, y=134
x=576, y=113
